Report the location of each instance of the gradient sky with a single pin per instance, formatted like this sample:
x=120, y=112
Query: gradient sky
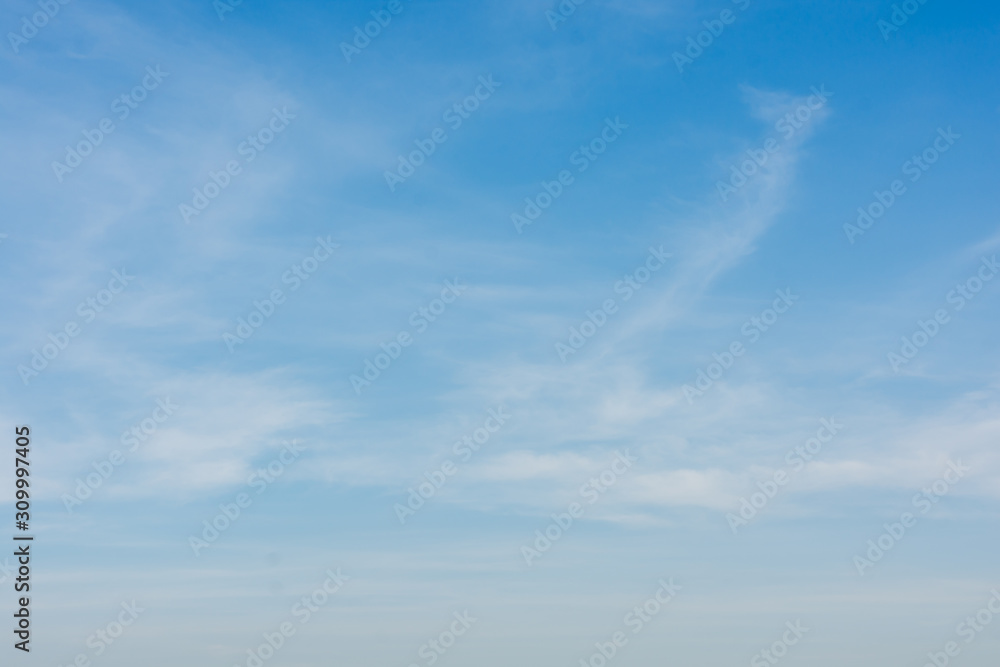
x=317, y=197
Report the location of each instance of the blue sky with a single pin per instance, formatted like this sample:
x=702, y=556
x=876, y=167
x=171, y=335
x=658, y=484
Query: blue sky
x=638, y=147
